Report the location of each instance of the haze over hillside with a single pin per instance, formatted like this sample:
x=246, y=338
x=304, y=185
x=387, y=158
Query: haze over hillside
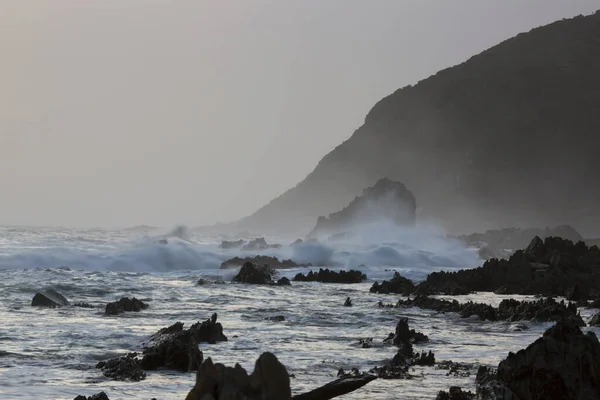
x=508, y=138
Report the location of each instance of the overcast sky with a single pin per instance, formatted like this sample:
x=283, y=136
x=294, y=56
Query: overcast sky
x=125, y=112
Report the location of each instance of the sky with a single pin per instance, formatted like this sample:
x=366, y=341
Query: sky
x=116, y=113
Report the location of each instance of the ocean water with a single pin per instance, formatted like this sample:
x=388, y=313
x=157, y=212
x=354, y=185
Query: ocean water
x=51, y=353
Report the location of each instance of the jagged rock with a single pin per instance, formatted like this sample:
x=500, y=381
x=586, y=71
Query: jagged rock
x=455, y=393
x=595, y=321
x=277, y=318
x=385, y=201
x=126, y=368
x=348, y=302
x=97, y=396
x=563, y=364
x=125, y=304
x=49, y=298
x=272, y=262
x=424, y=358
x=329, y=276
x=269, y=381
x=209, y=331
x=454, y=368
x=83, y=305
x=345, y=384
x=550, y=267
x=226, y=244
x=254, y=274
x=365, y=343
x=284, y=282
x=259, y=244
x=398, y=285
x=404, y=334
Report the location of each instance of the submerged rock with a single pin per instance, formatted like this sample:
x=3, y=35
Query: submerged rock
x=387, y=201
x=277, y=318
x=126, y=368
x=125, y=304
x=284, y=282
x=348, y=302
x=97, y=396
x=49, y=298
x=398, y=285
x=272, y=262
x=254, y=274
x=329, y=276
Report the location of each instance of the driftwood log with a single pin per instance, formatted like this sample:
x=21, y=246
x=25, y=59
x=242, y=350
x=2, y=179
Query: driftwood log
x=268, y=381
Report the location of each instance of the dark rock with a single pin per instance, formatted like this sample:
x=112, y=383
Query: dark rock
x=97, y=396
x=83, y=305
x=387, y=201
x=563, y=364
x=176, y=350
x=595, y=321
x=202, y=281
x=284, y=282
x=209, y=331
x=455, y=393
x=254, y=274
x=365, y=343
x=345, y=384
x=226, y=244
x=125, y=304
x=259, y=244
x=126, y=368
x=277, y=318
x=398, y=285
x=348, y=302
x=455, y=369
x=328, y=276
x=272, y=262
x=269, y=381
x=49, y=298
x=595, y=303
x=163, y=241
x=424, y=358
x=404, y=334
x=550, y=267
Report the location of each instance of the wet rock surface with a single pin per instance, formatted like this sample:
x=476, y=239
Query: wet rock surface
x=550, y=267
x=259, y=244
x=125, y=304
x=49, y=298
x=563, y=364
x=254, y=274
x=542, y=310
x=330, y=276
x=97, y=396
x=455, y=393
x=126, y=368
x=398, y=285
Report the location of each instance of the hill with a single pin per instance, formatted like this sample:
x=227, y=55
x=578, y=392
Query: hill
x=508, y=138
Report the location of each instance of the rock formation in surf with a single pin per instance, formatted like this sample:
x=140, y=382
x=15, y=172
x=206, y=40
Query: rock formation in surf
x=49, y=298
x=329, y=276
x=387, y=201
x=125, y=304
x=507, y=138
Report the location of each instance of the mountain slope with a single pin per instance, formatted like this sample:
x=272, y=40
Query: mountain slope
x=510, y=137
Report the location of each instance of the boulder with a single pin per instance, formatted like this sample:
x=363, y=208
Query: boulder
x=404, y=334
x=455, y=393
x=387, y=201
x=49, y=298
x=595, y=320
x=172, y=348
x=284, y=282
x=125, y=304
x=254, y=274
x=329, y=276
x=398, y=285
x=348, y=302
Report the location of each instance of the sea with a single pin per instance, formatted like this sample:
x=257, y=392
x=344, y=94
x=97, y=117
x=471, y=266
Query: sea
x=52, y=353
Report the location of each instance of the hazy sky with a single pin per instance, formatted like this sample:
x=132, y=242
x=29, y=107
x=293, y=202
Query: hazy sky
x=125, y=112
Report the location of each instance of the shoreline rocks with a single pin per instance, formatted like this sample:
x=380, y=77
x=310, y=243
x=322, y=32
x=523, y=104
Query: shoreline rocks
x=329, y=276
x=49, y=298
x=272, y=262
x=254, y=274
x=397, y=285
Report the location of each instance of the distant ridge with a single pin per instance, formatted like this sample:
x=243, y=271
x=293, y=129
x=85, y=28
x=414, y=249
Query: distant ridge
x=510, y=137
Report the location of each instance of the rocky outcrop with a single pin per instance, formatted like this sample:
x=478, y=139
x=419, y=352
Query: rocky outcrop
x=472, y=139
x=387, y=201
x=97, y=396
x=595, y=320
x=329, y=276
x=125, y=304
x=259, y=244
x=348, y=302
x=496, y=243
x=563, y=364
x=272, y=262
x=542, y=310
x=455, y=393
x=49, y=298
x=284, y=282
x=404, y=334
x=398, y=285
x=254, y=274
x=550, y=267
